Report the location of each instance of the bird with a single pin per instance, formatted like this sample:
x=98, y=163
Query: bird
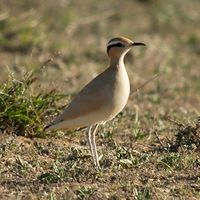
x=101, y=99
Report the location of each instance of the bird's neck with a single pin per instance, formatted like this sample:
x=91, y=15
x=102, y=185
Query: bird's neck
x=117, y=61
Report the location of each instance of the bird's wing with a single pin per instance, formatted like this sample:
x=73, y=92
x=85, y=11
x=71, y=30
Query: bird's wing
x=90, y=98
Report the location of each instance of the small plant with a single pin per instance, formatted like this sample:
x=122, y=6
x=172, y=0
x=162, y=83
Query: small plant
x=187, y=135
x=85, y=192
x=49, y=177
x=169, y=161
x=22, y=112
x=55, y=174
x=138, y=134
x=106, y=134
x=21, y=166
x=176, y=161
x=128, y=158
x=142, y=193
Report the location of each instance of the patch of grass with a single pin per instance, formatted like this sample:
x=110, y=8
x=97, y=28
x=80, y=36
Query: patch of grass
x=138, y=134
x=177, y=161
x=49, y=177
x=85, y=192
x=21, y=166
x=142, y=193
x=23, y=112
x=71, y=164
x=21, y=34
x=128, y=158
x=187, y=136
x=170, y=161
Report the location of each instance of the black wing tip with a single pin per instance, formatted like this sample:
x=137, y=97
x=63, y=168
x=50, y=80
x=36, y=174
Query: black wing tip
x=46, y=127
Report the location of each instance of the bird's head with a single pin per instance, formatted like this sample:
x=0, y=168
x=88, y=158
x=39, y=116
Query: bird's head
x=119, y=46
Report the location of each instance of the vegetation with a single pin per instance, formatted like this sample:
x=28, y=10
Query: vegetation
x=50, y=50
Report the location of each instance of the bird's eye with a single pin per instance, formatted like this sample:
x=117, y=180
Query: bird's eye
x=120, y=45
x=115, y=45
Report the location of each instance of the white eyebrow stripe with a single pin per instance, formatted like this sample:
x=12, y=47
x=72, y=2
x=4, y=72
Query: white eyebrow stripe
x=114, y=42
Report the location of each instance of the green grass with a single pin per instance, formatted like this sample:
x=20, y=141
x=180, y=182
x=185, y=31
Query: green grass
x=23, y=111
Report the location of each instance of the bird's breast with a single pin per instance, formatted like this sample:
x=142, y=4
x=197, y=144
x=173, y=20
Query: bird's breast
x=121, y=89
x=118, y=93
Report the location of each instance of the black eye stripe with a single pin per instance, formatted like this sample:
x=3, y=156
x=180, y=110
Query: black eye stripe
x=115, y=45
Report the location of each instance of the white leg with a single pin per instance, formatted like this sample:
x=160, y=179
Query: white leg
x=94, y=148
x=88, y=134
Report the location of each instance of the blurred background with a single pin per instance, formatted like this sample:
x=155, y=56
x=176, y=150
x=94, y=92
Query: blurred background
x=73, y=35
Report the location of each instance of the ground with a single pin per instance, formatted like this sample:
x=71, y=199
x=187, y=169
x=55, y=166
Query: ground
x=49, y=50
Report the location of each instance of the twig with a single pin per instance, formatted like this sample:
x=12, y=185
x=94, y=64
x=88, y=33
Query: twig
x=179, y=124
x=157, y=137
x=46, y=62
x=145, y=83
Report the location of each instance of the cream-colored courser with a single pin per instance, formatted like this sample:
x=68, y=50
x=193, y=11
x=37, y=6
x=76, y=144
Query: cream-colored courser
x=102, y=98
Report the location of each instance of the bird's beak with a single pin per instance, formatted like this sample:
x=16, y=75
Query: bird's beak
x=138, y=44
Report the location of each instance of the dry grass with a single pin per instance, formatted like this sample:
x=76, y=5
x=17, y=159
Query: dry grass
x=150, y=150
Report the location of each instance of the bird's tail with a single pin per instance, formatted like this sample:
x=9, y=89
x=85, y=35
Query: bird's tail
x=48, y=127
x=55, y=125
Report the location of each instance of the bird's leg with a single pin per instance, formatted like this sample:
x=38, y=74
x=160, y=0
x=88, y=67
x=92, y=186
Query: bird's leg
x=94, y=146
x=88, y=134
